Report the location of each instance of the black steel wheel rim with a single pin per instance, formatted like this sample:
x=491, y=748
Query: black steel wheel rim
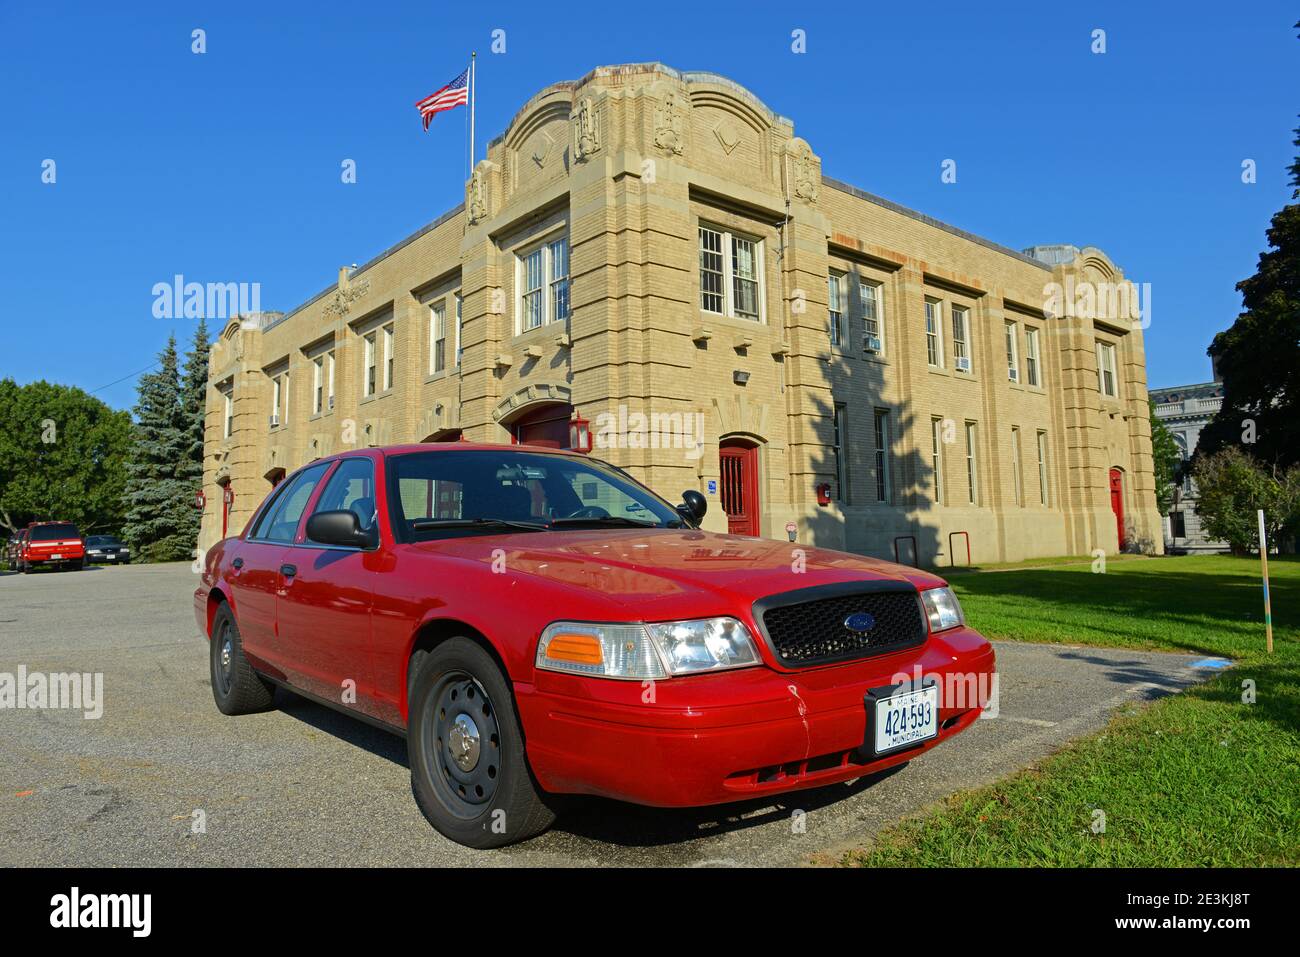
x=223, y=661
x=461, y=744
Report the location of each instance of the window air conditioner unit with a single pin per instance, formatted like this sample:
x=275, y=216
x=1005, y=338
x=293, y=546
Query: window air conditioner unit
x=873, y=343
x=331, y=402
x=1013, y=375
x=963, y=364
x=275, y=420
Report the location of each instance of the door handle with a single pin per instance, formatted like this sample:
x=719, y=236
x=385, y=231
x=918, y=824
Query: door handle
x=237, y=564
x=288, y=571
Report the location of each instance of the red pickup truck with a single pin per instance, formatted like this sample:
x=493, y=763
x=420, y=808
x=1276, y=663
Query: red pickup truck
x=53, y=544
x=537, y=623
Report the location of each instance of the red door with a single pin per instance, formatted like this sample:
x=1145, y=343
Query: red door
x=739, y=466
x=1117, y=503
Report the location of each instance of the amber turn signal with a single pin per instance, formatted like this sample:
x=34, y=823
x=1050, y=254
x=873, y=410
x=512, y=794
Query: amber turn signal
x=579, y=649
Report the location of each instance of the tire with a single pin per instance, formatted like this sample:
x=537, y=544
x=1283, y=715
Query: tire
x=469, y=772
x=25, y=568
x=236, y=687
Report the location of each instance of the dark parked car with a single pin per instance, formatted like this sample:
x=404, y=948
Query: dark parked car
x=12, y=548
x=107, y=549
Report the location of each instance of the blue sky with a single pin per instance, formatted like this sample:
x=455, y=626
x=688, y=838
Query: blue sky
x=225, y=166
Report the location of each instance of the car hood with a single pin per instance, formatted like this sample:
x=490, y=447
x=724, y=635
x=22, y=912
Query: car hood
x=670, y=573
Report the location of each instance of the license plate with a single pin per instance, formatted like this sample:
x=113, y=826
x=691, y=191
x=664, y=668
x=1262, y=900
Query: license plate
x=111, y=558
x=56, y=557
x=906, y=718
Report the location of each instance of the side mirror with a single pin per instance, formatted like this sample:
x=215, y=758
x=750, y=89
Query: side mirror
x=341, y=527
x=694, y=505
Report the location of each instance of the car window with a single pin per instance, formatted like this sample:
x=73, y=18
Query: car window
x=52, y=533
x=351, y=488
x=515, y=486
x=281, y=523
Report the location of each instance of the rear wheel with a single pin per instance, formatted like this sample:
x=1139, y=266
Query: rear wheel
x=468, y=768
x=236, y=687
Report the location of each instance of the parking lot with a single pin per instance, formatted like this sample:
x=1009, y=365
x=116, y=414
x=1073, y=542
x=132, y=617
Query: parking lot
x=303, y=785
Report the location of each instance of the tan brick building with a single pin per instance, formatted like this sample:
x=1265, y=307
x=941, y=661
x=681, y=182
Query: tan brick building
x=657, y=253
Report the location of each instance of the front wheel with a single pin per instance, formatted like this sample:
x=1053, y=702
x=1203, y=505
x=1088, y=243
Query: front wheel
x=468, y=768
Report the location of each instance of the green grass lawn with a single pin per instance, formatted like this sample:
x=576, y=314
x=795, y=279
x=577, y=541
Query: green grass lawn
x=1195, y=779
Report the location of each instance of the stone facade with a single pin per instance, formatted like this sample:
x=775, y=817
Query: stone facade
x=1185, y=410
x=649, y=243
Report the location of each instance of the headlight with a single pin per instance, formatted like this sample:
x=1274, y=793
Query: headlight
x=708, y=644
x=637, y=652
x=942, y=608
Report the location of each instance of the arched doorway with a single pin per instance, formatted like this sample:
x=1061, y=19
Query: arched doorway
x=1117, y=503
x=738, y=465
x=546, y=426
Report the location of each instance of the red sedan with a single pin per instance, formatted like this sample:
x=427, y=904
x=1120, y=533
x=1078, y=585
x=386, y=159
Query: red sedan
x=538, y=623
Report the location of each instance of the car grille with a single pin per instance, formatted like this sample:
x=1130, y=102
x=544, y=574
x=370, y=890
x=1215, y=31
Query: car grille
x=808, y=628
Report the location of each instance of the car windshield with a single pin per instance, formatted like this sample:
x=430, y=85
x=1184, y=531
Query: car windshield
x=438, y=494
x=52, y=533
x=100, y=540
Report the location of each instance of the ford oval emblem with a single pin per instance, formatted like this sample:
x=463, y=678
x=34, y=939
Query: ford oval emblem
x=860, y=621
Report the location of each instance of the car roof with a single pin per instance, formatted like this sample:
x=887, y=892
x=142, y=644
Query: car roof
x=410, y=447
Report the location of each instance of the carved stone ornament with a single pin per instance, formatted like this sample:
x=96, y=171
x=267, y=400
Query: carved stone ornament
x=670, y=125
x=477, y=197
x=806, y=181
x=586, y=130
x=340, y=303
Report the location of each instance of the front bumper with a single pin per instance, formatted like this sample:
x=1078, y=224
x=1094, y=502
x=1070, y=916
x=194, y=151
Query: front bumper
x=710, y=739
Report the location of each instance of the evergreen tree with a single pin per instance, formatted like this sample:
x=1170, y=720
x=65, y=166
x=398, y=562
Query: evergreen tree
x=159, y=501
x=194, y=386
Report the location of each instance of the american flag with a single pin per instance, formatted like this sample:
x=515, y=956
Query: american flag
x=453, y=94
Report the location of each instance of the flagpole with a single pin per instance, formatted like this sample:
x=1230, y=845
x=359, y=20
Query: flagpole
x=472, y=91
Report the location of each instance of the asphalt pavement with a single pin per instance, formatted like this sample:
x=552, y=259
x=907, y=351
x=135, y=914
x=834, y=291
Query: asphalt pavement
x=303, y=785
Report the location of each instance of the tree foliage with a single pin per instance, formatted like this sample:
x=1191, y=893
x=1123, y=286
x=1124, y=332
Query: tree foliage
x=1259, y=356
x=1167, y=459
x=61, y=457
x=158, y=493
x=1233, y=487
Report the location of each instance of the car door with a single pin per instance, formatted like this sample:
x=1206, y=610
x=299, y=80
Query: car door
x=326, y=599
x=253, y=569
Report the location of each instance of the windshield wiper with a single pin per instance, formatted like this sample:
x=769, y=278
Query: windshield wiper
x=431, y=524
x=618, y=520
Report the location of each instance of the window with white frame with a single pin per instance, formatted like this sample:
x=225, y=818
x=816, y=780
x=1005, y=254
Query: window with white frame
x=837, y=290
x=933, y=333
x=1013, y=354
x=1031, y=356
x=280, y=398
x=936, y=457
x=882, y=455
x=972, y=465
x=329, y=379
x=1017, y=480
x=558, y=271
x=459, y=304
x=437, y=337
x=1106, y=378
x=960, y=338
x=871, y=302
x=838, y=423
x=543, y=278
x=388, y=357
x=317, y=385
x=1042, y=467
x=228, y=413
x=731, y=268
x=368, y=379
